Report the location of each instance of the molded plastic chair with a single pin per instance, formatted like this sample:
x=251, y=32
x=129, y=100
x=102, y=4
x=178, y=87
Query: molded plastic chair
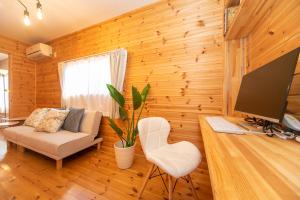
x=176, y=160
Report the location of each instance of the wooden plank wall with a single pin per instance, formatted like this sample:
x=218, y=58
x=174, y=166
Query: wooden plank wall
x=4, y=64
x=177, y=46
x=235, y=62
x=21, y=78
x=276, y=34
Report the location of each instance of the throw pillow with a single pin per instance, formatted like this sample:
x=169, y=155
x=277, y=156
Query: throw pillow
x=90, y=122
x=36, y=117
x=52, y=121
x=72, y=121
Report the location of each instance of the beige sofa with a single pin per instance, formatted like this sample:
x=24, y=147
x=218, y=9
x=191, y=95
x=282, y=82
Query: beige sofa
x=60, y=144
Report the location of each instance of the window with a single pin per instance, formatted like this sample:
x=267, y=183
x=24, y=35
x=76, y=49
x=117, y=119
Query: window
x=84, y=83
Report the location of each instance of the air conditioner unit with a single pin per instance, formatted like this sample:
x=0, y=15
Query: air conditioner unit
x=39, y=51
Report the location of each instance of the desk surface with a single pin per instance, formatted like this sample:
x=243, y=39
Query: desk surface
x=251, y=166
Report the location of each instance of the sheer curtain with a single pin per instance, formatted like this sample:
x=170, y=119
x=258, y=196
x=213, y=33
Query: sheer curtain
x=83, y=81
x=4, y=92
x=118, y=60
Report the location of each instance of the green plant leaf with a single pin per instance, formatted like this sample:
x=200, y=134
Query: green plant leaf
x=115, y=127
x=145, y=92
x=136, y=98
x=116, y=95
x=123, y=113
x=135, y=133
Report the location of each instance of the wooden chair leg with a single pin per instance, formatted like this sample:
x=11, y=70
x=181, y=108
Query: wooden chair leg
x=170, y=187
x=59, y=164
x=193, y=188
x=145, y=181
x=98, y=146
x=20, y=149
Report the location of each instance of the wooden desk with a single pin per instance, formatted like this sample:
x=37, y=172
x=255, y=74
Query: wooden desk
x=251, y=166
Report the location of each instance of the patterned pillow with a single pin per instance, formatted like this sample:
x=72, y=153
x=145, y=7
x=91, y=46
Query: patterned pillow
x=36, y=117
x=52, y=121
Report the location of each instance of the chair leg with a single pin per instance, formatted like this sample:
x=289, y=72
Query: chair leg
x=170, y=187
x=145, y=181
x=193, y=188
x=59, y=164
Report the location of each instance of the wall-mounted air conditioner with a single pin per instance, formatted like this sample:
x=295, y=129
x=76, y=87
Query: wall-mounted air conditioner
x=39, y=51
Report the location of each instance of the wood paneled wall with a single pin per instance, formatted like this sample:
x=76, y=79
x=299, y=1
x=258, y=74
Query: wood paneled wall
x=4, y=64
x=276, y=34
x=176, y=46
x=21, y=78
x=236, y=63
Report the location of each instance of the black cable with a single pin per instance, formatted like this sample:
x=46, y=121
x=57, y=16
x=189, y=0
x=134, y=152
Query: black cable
x=267, y=126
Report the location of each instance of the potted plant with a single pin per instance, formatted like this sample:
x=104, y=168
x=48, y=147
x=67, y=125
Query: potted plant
x=124, y=148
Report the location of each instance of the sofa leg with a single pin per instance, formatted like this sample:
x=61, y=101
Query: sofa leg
x=99, y=146
x=20, y=149
x=59, y=164
x=8, y=144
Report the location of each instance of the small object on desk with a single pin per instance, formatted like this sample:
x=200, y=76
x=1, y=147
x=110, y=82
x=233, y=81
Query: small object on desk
x=219, y=124
x=291, y=122
x=281, y=135
x=297, y=138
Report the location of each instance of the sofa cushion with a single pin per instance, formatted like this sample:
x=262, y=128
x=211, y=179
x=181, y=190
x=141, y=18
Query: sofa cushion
x=52, y=121
x=73, y=119
x=59, y=144
x=36, y=117
x=90, y=122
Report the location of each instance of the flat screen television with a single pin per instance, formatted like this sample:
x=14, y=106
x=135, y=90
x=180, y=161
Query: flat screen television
x=263, y=92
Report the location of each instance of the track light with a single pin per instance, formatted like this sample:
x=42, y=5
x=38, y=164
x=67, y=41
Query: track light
x=39, y=12
x=26, y=18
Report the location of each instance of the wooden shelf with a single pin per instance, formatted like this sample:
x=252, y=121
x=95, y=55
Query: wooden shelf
x=249, y=13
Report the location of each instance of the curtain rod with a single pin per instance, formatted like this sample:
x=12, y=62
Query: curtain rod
x=98, y=54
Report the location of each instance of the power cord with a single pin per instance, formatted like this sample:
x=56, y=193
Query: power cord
x=270, y=128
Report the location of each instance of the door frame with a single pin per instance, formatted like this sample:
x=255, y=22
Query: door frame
x=9, y=79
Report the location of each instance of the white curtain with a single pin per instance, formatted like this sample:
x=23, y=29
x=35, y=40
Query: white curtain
x=83, y=81
x=4, y=93
x=118, y=60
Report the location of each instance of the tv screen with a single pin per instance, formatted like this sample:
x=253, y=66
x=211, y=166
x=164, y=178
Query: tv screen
x=264, y=91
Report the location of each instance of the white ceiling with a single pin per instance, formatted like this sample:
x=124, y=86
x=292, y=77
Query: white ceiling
x=61, y=17
x=3, y=56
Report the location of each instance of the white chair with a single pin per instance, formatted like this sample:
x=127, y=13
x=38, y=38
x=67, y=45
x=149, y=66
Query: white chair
x=176, y=160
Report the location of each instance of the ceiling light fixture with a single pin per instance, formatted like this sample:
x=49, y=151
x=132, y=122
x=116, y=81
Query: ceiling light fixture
x=39, y=12
x=26, y=18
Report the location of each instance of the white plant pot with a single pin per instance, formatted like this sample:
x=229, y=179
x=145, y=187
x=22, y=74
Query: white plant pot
x=124, y=156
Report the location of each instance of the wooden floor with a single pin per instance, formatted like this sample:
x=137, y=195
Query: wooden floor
x=86, y=175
